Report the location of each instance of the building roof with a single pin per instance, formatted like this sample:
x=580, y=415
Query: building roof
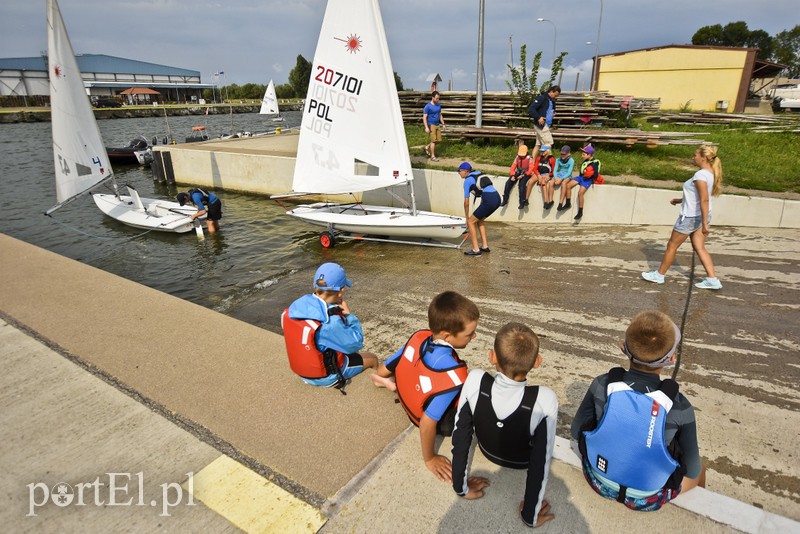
x=99, y=63
x=690, y=46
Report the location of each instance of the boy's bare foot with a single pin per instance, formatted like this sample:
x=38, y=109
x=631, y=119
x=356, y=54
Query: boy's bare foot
x=383, y=382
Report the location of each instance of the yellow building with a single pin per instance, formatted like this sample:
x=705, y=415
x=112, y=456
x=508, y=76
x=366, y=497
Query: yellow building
x=704, y=78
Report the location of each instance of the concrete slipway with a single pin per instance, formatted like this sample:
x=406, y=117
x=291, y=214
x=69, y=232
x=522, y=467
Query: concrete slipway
x=98, y=378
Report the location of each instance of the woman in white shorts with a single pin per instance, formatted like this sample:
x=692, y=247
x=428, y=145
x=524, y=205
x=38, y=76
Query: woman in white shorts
x=695, y=217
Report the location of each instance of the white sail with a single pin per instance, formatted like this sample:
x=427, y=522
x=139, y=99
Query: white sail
x=352, y=112
x=80, y=157
x=269, y=104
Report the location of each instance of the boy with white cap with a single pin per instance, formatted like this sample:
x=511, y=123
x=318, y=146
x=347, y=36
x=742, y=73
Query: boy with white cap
x=322, y=336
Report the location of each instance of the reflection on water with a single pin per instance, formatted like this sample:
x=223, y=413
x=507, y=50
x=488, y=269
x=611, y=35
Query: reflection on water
x=257, y=246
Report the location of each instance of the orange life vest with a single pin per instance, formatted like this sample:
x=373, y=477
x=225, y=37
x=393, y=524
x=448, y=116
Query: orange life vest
x=305, y=358
x=418, y=384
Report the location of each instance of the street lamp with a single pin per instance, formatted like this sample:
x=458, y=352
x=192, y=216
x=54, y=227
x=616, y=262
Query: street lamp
x=595, y=74
x=540, y=19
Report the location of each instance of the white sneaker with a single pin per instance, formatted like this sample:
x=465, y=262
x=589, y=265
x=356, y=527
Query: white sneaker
x=709, y=283
x=653, y=276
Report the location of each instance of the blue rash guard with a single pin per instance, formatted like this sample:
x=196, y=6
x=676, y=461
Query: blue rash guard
x=344, y=336
x=199, y=199
x=440, y=358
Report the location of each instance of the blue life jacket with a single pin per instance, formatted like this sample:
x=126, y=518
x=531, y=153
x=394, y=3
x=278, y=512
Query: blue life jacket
x=627, y=447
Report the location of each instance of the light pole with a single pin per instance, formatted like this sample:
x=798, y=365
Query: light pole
x=595, y=74
x=555, y=32
x=479, y=89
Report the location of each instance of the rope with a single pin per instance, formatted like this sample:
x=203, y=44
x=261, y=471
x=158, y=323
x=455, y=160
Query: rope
x=683, y=319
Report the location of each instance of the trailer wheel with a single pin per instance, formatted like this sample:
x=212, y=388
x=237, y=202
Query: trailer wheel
x=326, y=240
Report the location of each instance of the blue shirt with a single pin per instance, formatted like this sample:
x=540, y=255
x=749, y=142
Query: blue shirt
x=432, y=111
x=440, y=358
x=548, y=118
x=471, y=184
x=564, y=168
x=197, y=199
x=333, y=333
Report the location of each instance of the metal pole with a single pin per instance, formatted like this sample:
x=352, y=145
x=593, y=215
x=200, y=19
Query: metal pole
x=595, y=74
x=479, y=73
x=510, y=59
x=555, y=33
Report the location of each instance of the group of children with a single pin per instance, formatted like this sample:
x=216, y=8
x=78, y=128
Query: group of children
x=514, y=423
x=548, y=172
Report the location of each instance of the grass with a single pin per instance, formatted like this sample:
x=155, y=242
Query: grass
x=759, y=161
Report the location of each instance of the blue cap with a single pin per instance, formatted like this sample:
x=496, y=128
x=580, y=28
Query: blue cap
x=330, y=276
x=544, y=148
x=465, y=167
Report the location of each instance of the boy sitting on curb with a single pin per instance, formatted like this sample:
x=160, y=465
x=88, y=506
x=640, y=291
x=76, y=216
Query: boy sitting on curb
x=637, y=434
x=515, y=423
x=590, y=171
x=429, y=373
x=322, y=336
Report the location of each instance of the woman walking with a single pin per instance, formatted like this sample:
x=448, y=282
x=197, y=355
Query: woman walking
x=695, y=217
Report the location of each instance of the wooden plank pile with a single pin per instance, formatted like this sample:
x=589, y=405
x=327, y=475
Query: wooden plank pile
x=759, y=123
x=500, y=109
x=579, y=136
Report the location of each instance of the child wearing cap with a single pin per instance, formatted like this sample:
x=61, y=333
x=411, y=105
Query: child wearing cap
x=323, y=338
x=543, y=170
x=564, y=166
x=658, y=457
x=590, y=170
x=478, y=184
x=519, y=174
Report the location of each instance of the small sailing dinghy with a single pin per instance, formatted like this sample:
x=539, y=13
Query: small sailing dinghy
x=81, y=161
x=269, y=104
x=351, y=117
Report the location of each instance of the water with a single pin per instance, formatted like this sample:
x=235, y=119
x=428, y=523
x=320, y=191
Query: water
x=258, y=244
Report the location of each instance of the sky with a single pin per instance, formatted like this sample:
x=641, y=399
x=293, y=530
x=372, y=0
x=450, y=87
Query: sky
x=253, y=41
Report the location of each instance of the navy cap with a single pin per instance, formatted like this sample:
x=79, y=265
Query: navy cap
x=465, y=167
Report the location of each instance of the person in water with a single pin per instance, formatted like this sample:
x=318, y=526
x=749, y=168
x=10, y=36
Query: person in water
x=207, y=204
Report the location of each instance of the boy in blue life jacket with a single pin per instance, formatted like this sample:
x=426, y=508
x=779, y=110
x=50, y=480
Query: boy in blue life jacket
x=637, y=434
x=323, y=338
x=429, y=374
x=515, y=424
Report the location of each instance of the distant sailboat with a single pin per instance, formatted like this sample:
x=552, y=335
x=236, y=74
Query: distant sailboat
x=81, y=161
x=352, y=115
x=269, y=104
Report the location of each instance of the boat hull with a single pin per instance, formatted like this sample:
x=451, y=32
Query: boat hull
x=381, y=221
x=152, y=215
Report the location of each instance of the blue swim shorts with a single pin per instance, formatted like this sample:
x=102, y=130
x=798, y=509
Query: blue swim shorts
x=490, y=201
x=689, y=225
x=353, y=365
x=651, y=503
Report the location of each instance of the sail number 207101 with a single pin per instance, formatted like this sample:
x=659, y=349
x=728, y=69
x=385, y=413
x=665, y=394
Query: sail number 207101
x=338, y=79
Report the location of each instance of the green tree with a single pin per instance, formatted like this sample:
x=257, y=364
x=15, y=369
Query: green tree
x=787, y=51
x=735, y=34
x=398, y=82
x=523, y=84
x=284, y=90
x=299, y=76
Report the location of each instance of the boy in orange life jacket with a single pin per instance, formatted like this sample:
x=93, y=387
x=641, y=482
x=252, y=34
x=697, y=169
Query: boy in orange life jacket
x=429, y=374
x=515, y=423
x=322, y=336
x=519, y=174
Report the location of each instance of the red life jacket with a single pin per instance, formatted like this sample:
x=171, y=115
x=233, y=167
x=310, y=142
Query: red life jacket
x=305, y=358
x=418, y=384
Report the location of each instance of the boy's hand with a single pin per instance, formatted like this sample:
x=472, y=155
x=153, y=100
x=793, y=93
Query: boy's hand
x=476, y=485
x=544, y=515
x=440, y=466
x=675, y=201
x=345, y=308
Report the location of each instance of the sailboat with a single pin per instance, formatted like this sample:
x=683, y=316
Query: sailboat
x=81, y=161
x=269, y=104
x=352, y=117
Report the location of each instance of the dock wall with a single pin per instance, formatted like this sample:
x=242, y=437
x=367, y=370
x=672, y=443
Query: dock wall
x=265, y=166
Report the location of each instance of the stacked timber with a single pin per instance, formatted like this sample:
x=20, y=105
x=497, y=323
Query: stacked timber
x=580, y=136
x=707, y=118
x=501, y=109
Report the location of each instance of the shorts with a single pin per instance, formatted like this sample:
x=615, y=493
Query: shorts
x=446, y=425
x=490, y=201
x=353, y=365
x=214, y=211
x=543, y=136
x=584, y=182
x=650, y=503
x=436, y=133
x=689, y=225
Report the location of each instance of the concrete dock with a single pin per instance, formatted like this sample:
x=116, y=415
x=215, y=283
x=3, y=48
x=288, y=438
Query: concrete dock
x=103, y=385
